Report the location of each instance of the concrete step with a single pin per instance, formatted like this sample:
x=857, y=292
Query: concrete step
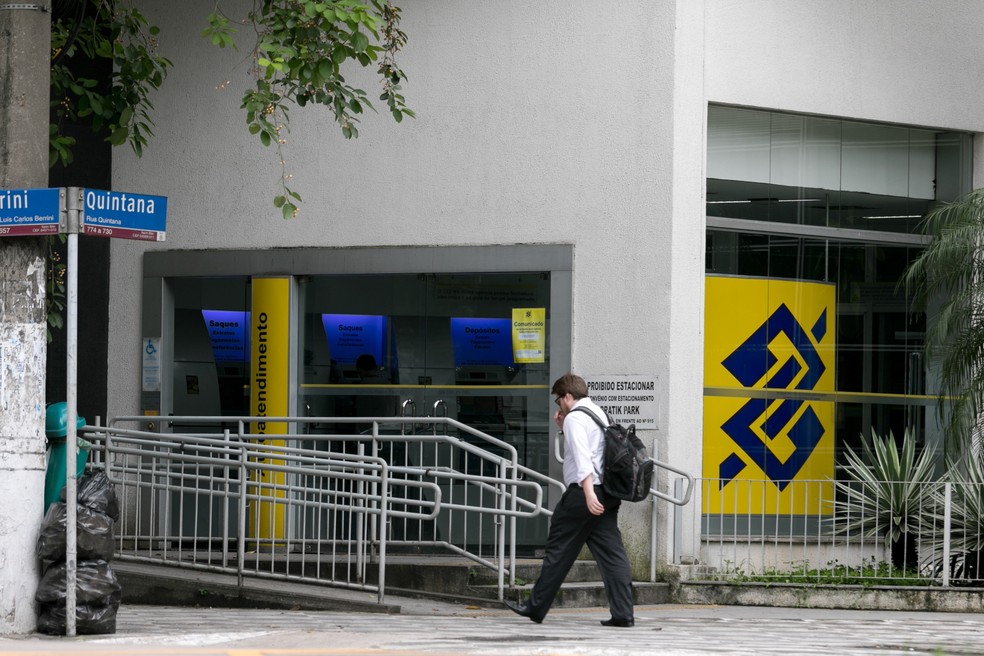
x=591, y=594
x=464, y=581
x=444, y=578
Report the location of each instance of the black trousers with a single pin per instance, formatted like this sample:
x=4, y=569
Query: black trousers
x=571, y=527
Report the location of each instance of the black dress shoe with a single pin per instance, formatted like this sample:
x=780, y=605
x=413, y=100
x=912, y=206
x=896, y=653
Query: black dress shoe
x=615, y=622
x=522, y=609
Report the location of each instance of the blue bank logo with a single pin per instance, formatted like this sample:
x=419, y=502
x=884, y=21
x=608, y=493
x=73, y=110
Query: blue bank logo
x=751, y=364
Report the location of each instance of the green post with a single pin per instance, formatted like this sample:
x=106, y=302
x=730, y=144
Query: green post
x=55, y=427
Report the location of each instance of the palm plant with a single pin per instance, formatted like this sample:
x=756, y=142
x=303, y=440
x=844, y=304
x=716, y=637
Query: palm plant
x=950, y=272
x=885, y=494
x=966, y=519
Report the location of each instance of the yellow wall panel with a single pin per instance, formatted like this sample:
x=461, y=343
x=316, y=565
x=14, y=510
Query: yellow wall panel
x=269, y=395
x=768, y=361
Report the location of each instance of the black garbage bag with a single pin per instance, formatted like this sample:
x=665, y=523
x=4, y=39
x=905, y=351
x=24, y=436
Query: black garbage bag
x=94, y=491
x=89, y=619
x=93, y=530
x=95, y=584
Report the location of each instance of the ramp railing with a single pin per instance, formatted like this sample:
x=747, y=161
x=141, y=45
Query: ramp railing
x=321, y=507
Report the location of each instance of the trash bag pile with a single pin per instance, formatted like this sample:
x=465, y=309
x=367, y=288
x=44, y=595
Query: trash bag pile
x=97, y=592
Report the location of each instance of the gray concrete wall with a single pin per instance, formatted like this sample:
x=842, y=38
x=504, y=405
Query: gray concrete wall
x=541, y=123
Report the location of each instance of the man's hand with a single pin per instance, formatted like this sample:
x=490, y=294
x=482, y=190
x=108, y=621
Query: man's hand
x=590, y=498
x=559, y=419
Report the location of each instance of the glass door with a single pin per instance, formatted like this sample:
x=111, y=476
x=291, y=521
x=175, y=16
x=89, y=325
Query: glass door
x=429, y=345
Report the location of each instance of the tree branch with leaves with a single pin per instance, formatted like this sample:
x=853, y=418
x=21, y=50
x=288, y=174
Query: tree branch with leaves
x=115, y=31
x=298, y=57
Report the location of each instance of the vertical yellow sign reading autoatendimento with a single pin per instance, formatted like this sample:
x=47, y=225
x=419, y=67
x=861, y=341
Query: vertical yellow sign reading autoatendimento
x=768, y=364
x=269, y=397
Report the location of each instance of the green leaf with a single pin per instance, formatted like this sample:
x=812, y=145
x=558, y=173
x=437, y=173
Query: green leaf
x=104, y=49
x=265, y=138
x=119, y=135
x=279, y=201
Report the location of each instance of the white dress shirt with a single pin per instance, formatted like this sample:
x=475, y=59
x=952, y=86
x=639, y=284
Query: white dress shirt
x=584, y=444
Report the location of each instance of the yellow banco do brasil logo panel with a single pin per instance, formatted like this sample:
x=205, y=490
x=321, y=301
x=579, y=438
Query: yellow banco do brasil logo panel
x=768, y=360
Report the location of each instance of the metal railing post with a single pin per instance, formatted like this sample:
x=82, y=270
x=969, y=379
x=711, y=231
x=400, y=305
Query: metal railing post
x=501, y=533
x=383, y=519
x=677, y=524
x=947, y=509
x=243, y=487
x=225, y=504
x=360, y=525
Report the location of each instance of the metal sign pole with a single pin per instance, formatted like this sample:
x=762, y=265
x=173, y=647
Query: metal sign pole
x=74, y=204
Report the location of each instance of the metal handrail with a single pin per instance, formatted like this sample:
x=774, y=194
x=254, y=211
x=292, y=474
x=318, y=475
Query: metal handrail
x=364, y=472
x=512, y=477
x=682, y=500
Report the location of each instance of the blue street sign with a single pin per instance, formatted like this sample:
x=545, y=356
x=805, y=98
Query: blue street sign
x=29, y=212
x=124, y=215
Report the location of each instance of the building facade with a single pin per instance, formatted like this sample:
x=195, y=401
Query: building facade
x=615, y=169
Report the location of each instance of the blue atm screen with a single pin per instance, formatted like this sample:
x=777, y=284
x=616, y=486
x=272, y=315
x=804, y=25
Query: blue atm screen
x=481, y=342
x=352, y=335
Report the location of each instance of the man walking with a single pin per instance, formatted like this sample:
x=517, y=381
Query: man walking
x=585, y=514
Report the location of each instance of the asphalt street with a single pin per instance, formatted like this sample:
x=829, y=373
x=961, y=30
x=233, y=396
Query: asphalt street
x=424, y=627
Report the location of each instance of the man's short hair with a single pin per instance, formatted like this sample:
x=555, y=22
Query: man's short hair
x=570, y=384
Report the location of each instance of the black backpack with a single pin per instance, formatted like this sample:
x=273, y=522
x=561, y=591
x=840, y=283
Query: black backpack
x=628, y=469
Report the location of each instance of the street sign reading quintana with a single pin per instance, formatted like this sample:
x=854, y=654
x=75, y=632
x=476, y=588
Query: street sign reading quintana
x=123, y=215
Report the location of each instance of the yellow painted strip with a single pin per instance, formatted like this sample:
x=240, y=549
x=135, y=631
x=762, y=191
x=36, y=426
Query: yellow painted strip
x=758, y=392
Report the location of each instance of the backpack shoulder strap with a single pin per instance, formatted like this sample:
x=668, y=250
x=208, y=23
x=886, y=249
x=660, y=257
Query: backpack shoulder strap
x=593, y=416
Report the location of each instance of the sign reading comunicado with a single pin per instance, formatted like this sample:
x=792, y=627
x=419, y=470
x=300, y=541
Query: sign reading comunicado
x=123, y=215
x=29, y=212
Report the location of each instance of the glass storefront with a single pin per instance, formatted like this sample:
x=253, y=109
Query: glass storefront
x=811, y=345
x=426, y=345
x=210, y=371
x=377, y=346
x=812, y=199
x=365, y=343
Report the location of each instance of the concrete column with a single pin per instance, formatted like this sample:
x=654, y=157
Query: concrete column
x=25, y=44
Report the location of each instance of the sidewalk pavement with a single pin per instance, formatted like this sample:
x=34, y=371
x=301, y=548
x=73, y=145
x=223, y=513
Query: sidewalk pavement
x=428, y=627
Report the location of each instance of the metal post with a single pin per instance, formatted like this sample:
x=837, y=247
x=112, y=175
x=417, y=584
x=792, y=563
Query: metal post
x=653, y=525
x=73, y=206
x=678, y=523
x=947, y=509
x=243, y=501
